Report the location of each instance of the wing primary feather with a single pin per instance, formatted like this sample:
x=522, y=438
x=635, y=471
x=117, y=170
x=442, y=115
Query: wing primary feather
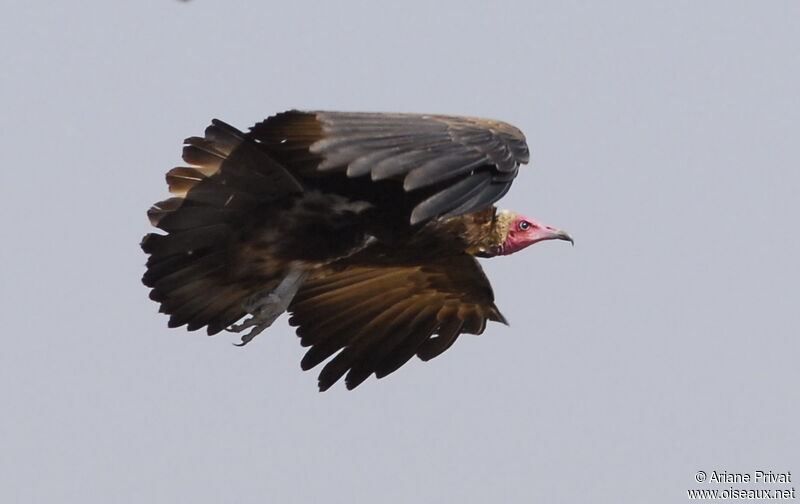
x=437, y=170
x=333, y=336
x=360, y=344
x=400, y=164
x=448, y=199
x=321, y=323
x=483, y=199
x=380, y=345
x=447, y=335
x=422, y=327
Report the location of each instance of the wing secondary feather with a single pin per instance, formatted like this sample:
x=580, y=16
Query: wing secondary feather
x=378, y=316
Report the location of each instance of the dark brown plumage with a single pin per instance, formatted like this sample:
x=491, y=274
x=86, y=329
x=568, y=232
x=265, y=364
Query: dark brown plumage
x=363, y=226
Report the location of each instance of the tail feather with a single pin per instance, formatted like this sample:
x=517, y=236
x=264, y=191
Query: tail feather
x=181, y=179
x=197, y=310
x=163, y=215
x=230, y=299
x=226, y=317
x=186, y=242
x=158, y=268
x=190, y=268
x=204, y=154
x=210, y=264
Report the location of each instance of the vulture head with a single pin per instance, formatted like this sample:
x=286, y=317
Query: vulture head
x=518, y=232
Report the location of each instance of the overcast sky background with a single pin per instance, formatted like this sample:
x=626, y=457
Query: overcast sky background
x=664, y=137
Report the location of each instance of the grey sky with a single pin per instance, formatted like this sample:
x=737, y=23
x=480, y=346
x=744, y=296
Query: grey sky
x=664, y=137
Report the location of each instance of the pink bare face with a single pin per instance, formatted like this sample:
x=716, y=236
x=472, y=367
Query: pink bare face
x=524, y=231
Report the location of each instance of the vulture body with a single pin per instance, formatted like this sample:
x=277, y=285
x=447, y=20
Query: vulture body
x=363, y=226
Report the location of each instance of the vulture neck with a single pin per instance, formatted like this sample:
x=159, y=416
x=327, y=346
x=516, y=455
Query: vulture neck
x=485, y=231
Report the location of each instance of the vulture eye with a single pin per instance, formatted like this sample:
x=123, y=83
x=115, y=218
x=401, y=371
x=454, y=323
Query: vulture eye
x=524, y=225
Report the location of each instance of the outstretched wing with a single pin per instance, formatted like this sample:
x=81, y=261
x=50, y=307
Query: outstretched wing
x=381, y=315
x=448, y=165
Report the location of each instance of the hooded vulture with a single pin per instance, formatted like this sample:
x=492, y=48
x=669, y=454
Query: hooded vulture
x=363, y=226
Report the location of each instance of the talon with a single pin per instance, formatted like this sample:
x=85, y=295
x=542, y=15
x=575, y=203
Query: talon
x=265, y=307
x=237, y=328
x=249, y=336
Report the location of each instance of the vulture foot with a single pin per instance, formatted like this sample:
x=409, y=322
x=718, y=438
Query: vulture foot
x=266, y=306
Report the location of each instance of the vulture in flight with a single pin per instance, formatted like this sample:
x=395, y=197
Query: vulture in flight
x=365, y=227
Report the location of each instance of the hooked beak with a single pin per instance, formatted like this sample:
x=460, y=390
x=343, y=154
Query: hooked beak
x=560, y=235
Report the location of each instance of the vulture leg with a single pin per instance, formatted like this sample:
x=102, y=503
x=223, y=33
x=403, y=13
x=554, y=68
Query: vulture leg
x=266, y=306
